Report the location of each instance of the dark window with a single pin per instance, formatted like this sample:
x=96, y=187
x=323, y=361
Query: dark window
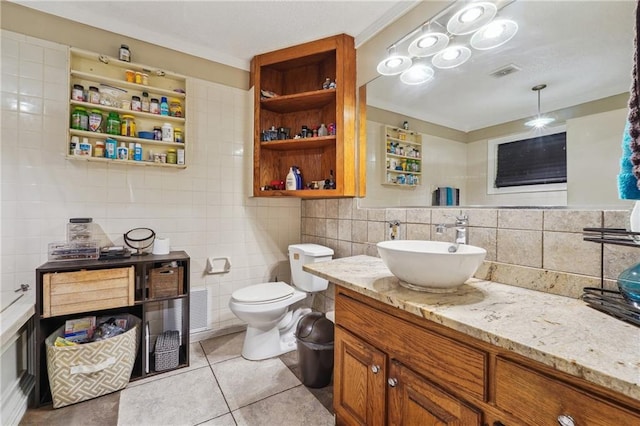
x=535, y=161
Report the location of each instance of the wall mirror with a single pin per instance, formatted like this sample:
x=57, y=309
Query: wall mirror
x=582, y=51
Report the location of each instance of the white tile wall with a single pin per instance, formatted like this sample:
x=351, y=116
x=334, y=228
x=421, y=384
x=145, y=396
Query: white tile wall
x=205, y=209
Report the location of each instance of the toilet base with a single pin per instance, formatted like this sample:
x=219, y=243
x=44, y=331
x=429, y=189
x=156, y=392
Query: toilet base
x=262, y=344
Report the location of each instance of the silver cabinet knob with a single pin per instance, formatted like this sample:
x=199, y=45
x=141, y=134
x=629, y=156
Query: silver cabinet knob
x=392, y=382
x=564, y=420
x=375, y=369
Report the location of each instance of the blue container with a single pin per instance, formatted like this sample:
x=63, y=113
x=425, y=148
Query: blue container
x=629, y=285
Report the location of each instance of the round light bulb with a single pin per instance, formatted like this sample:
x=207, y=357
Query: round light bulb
x=451, y=54
x=427, y=42
x=393, y=62
x=494, y=30
x=471, y=14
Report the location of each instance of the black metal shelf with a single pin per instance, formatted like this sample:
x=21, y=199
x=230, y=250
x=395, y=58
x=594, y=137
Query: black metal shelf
x=611, y=302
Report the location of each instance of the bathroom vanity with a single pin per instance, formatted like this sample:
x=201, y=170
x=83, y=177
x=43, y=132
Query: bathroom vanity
x=487, y=354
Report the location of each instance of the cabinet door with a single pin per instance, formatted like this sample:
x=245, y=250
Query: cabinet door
x=413, y=400
x=359, y=381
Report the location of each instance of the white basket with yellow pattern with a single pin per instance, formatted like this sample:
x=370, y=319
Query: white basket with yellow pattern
x=81, y=372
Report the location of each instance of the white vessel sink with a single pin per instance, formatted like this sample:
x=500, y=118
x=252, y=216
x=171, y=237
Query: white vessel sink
x=429, y=265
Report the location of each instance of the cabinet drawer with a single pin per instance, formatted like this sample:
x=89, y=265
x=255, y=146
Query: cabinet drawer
x=440, y=359
x=539, y=399
x=66, y=293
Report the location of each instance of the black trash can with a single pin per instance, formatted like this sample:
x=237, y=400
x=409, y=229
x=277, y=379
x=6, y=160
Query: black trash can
x=314, y=336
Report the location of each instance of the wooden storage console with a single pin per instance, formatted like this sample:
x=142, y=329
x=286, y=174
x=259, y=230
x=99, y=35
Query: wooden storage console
x=296, y=75
x=393, y=367
x=139, y=285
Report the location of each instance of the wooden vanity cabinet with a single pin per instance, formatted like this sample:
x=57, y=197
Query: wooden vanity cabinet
x=296, y=75
x=396, y=368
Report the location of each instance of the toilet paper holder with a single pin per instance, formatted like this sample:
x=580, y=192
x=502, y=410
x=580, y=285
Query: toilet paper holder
x=218, y=265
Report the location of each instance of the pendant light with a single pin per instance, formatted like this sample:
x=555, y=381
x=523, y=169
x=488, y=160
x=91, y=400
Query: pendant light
x=394, y=63
x=540, y=120
x=495, y=34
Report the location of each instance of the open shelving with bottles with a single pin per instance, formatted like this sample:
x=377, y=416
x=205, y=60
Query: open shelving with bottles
x=109, y=75
x=291, y=95
x=402, y=157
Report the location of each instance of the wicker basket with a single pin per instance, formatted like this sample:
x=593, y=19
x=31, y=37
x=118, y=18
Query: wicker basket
x=167, y=353
x=81, y=372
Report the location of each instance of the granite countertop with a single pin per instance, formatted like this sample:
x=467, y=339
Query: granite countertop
x=558, y=331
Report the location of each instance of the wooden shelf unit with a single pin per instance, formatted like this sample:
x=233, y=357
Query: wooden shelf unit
x=296, y=75
x=99, y=303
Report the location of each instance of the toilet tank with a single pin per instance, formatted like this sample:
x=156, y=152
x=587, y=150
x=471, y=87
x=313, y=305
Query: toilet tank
x=301, y=254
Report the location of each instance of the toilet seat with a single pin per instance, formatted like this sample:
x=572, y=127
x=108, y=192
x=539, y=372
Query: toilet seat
x=263, y=293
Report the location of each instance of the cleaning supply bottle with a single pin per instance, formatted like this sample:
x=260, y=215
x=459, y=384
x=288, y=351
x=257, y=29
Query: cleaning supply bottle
x=164, y=106
x=291, y=182
x=296, y=169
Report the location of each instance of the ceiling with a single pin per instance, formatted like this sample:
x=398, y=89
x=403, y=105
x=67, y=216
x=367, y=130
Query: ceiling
x=229, y=32
x=582, y=50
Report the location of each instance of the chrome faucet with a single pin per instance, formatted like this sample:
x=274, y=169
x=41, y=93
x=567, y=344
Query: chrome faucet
x=394, y=226
x=461, y=224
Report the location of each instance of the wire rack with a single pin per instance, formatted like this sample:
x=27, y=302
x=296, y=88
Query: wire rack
x=610, y=301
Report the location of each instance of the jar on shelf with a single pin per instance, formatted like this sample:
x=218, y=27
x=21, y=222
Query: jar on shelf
x=128, y=125
x=136, y=103
x=154, y=106
x=113, y=126
x=167, y=132
x=95, y=121
x=80, y=118
x=145, y=102
x=175, y=108
x=77, y=93
x=99, y=149
x=157, y=133
x=177, y=135
x=172, y=157
x=94, y=95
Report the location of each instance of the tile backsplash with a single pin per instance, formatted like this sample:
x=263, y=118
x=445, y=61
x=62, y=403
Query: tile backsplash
x=542, y=249
x=205, y=209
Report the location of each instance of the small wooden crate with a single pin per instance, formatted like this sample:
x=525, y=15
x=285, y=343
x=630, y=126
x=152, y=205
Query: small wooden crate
x=165, y=282
x=66, y=293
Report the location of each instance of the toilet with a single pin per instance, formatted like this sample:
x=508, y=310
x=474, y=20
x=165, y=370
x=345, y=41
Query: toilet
x=265, y=307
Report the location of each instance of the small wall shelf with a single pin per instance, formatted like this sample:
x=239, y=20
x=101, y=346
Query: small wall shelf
x=402, y=155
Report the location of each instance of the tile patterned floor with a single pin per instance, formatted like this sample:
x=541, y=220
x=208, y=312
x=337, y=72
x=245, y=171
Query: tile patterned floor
x=219, y=388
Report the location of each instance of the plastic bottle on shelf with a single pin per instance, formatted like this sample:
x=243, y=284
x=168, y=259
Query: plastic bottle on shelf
x=137, y=153
x=167, y=132
x=291, y=182
x=146, y=105
x=122, y=152
x=164, y=106
x=298, y=177
x=323, y=131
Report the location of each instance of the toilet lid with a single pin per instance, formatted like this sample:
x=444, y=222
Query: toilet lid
x=263, y=293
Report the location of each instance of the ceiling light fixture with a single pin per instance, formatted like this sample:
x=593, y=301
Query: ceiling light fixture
x=419, y=73
x=470, y=23
x=540, y=120
x=451, y=57
x=471, y=18
x=494, y=34
x=394, y=64
x=428, y=44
